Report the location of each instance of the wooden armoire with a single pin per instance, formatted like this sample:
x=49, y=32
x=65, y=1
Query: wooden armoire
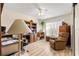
x=66, y=28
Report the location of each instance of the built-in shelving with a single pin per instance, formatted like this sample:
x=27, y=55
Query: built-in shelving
x=33, y=28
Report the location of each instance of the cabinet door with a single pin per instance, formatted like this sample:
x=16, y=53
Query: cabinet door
x=64, y=28
x=31, y=38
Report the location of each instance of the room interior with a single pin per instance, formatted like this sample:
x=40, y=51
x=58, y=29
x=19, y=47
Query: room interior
x=42, y=29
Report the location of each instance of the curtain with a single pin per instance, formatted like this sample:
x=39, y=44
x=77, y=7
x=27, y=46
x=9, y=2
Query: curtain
x=52, y=28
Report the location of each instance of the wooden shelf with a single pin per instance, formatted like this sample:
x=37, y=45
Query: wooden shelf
x=33, y=27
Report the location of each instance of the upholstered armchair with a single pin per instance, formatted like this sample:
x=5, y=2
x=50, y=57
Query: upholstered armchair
x=60, y=42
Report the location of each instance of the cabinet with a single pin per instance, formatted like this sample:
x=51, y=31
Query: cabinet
x=31, y=37
x=32, y=26
x=66, y=28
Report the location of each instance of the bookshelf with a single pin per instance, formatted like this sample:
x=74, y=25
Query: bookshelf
x=33, y=26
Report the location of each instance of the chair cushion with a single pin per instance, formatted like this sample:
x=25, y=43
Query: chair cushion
x=63, y=34
x=61, y=39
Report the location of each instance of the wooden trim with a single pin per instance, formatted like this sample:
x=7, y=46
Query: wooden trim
x=0, y=43
x=0, y=29
x=1, y=7
x=19, y=45
x=74, y=4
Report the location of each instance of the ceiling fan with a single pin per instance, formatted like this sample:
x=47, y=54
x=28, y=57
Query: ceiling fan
x=41, y=11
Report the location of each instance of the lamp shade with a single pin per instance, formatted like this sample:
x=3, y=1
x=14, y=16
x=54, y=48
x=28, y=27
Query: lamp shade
x=19, y=27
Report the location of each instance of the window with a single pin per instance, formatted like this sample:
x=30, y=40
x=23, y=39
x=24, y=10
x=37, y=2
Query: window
x=52, y=28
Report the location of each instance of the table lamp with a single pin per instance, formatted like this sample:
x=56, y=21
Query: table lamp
x=18, y=28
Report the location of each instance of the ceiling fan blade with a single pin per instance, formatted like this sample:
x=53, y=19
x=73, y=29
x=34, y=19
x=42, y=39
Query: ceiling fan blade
x=37, y=6
x=40, y=11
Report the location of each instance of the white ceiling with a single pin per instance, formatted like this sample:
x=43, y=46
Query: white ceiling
x=50, y=9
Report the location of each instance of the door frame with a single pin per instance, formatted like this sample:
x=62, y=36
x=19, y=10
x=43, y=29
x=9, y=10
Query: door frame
x=1, y=7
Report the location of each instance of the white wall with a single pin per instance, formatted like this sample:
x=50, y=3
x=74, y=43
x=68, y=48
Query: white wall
x=8, y=16
x=77, y=31
x=66, y=18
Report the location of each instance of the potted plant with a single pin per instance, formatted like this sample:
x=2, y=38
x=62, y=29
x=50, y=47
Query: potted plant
x=42, y=25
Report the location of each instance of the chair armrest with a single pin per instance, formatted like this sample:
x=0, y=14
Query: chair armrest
x=60, y=40
x=51, y=40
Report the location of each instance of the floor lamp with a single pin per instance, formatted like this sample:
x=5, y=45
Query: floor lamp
x=18, y=28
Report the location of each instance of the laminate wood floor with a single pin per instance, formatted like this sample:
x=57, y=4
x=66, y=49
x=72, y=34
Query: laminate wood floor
x=42, y=48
